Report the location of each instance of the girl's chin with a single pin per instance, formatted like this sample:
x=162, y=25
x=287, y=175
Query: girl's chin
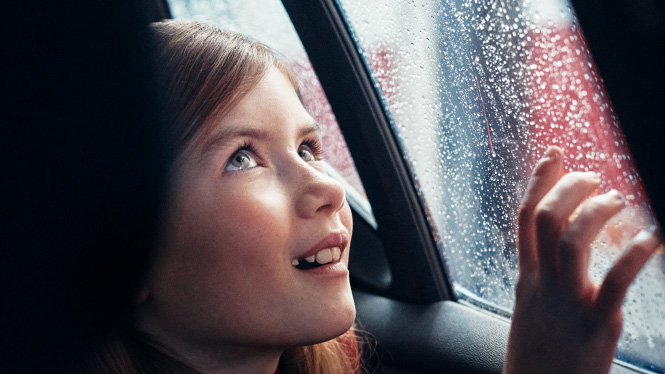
x=331, y=327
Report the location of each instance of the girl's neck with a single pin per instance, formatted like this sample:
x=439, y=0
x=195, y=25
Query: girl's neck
x=235, y=363
x=214, y=359
x=223, y=360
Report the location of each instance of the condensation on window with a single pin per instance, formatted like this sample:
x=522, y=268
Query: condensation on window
x=267, y=21
x=476, y=91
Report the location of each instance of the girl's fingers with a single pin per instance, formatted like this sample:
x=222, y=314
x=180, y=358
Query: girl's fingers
x=544, y=177
x=553, y=212
x=576, y=240
x=621, y=275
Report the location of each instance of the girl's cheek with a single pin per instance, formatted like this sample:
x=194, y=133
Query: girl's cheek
x=346, y=217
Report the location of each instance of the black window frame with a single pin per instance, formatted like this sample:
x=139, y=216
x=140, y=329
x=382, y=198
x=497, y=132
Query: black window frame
x=417, y=270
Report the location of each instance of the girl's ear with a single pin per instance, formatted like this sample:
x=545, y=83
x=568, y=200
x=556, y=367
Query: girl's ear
x=141, y=295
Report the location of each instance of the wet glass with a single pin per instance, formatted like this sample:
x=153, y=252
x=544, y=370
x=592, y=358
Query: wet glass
x=268, y=22
x=476, y=91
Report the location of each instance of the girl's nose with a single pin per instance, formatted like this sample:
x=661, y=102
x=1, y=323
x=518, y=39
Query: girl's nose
x=317, y=193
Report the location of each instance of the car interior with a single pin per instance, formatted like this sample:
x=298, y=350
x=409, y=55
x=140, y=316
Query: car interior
x=85, y=171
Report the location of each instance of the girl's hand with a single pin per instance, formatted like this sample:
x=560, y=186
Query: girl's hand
x=563, y=322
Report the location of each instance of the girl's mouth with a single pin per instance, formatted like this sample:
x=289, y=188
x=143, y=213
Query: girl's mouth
x=324, y=256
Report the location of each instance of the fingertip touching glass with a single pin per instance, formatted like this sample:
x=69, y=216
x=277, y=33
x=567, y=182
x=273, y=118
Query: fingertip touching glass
x=476, y=91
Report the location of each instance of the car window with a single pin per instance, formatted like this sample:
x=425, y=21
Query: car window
x=268, y=22
x=476, y=91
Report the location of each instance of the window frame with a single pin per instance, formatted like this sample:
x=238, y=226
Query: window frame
x=421, y=288
x=417, y=269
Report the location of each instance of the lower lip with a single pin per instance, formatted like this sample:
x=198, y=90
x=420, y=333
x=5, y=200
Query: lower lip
x=331, y=270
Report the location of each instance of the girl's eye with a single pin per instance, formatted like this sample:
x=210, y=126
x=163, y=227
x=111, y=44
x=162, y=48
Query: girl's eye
x=307, y=153
x=241, y=160
x=310, y=150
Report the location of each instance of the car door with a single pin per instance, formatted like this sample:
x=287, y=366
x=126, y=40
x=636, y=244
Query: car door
x=445, y=108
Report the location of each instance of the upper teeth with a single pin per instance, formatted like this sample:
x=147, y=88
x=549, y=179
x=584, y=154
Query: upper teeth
x=324, y=256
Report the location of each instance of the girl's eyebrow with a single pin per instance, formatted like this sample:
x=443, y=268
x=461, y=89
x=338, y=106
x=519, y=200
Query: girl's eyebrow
x=312, y=127
x=220, y=138
x=227, y=134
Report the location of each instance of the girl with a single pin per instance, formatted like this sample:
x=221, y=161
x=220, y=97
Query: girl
x=250, y=272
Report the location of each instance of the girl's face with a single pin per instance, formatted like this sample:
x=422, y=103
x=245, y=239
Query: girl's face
x=250, y=206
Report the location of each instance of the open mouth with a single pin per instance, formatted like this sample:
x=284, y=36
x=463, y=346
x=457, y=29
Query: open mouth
x=324, y=256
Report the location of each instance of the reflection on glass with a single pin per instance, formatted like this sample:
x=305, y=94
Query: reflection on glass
x=476, y=91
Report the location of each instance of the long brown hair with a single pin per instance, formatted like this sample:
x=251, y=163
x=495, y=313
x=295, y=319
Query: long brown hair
x=201, y=73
